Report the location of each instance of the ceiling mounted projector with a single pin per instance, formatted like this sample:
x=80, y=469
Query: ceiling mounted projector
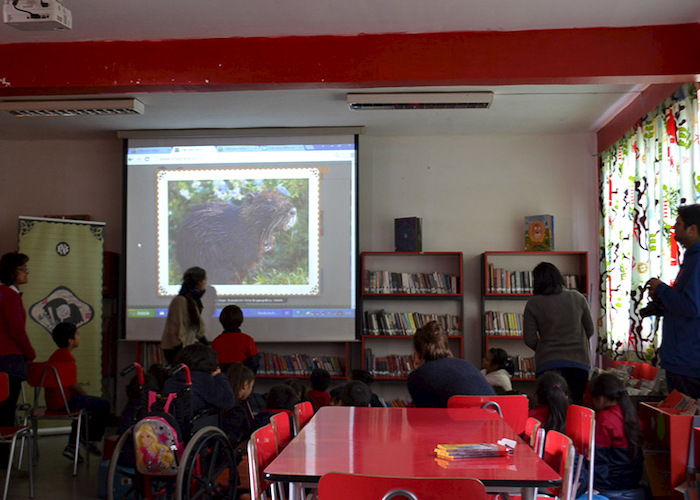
x=423, y=100
x=36, y=15
x=93, y=107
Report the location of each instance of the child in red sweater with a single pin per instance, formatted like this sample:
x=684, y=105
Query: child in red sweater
x=234, y=346
x=67, y=338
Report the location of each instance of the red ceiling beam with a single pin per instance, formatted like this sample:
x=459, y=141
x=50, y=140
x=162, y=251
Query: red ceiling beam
x=650, y=54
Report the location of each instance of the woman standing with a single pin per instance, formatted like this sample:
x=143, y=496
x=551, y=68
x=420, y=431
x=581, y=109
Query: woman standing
x=15, y=348
x=557, y=325
x=184, y=325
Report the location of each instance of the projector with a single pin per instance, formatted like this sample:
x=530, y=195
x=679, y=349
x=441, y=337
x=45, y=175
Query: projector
x=36, y=15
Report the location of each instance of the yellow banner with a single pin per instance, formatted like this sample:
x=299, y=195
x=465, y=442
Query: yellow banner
x=65, y=284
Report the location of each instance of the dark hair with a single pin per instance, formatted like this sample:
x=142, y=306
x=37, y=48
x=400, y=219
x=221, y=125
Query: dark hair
x=501, y=359
x=690, y=215
x=9, y=263
x=547, y=279
x=191, y=291
x=231, y=317
x=198, y=358
x=363, y=376
x=298, y=386
x=430, y=342
x=553, y=391
x=238, y=374
x=610, y=387
x=282, y=397
x=62, y=333
x=355, y=393
x=320, y=379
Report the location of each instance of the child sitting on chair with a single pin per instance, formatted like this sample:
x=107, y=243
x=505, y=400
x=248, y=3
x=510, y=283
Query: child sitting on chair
x=320, y=381
x=67, y=338
x=552, y=394
x=234, y=346
x=497, y=368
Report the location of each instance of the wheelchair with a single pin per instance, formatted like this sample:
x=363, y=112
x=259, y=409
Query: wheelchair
x=203, y=465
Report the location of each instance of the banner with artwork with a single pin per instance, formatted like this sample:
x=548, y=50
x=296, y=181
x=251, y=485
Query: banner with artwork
x=65, y=284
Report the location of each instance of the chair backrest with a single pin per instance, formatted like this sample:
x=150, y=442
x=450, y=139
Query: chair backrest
x=262, y=449
x=52, y=375
x=342, y=486
x=580, y=427
x=534, y=434
x=302, y=414
x=283, y=429
x=4, y=386
x=513, y=407
x=559, y=455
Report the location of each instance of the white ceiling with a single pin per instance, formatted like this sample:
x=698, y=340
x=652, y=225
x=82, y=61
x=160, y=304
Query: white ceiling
x=516, y=109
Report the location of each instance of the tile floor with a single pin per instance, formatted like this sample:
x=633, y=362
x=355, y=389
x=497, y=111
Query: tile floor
x=53, y=475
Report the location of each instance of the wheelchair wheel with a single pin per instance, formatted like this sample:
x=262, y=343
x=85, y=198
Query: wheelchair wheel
x=207, y=469
x=121, y=479
x=124, y=482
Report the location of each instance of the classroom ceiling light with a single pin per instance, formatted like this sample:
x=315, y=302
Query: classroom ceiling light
x=92, y=107
x=422, y=100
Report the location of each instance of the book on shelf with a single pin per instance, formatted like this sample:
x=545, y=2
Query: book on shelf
x=524, y=367
x=408, y=234
x=539, y=233
x=510, y=282
x=393, y=365
x=406, y=323
x=503, y=324
x=390, y=282
x=298, y=364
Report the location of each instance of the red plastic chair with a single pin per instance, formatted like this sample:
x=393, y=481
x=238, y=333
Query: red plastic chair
x=513, y=409
x=283, y=430
x=9, y=436
x=57, y=376
x=302, y=414
x=342, y=486
x=534, y=435
x=559, y=455
x=262, y=449
x=580, y=427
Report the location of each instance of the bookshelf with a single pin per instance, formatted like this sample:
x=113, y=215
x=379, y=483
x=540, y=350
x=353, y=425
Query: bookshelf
x=401, y=291
x=506, y=285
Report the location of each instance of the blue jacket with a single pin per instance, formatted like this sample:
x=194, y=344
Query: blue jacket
x=432, y=384
x=680, y=346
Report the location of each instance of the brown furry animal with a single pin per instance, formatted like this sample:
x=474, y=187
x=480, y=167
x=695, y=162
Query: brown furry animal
x=229, y=241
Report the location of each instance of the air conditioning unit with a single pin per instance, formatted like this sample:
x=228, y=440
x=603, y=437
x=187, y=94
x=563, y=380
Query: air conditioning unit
x=422, y=100
x=69, y=107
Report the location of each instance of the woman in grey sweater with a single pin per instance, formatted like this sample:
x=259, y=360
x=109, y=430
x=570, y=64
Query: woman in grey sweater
x=557, y=325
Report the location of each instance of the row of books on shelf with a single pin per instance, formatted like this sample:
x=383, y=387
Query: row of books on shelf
x=298, y=364
x=388, y=282
x=505, y=281
x=406, y=323
x=524, y=367
x=393, y=365
x=506, y=324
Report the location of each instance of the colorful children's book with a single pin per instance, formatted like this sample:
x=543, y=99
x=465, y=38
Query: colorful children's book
x=470, y=450
x=539, y=233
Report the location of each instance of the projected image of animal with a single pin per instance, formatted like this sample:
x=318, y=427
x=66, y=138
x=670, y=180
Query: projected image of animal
x=229, y=241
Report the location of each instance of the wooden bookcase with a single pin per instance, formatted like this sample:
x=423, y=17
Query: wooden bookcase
x=504, y=292
x=400, y=291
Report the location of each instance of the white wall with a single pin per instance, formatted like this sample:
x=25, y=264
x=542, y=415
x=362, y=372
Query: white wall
x=66, y=177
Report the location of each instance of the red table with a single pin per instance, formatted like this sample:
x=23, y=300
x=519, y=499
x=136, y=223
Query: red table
x=400, y=442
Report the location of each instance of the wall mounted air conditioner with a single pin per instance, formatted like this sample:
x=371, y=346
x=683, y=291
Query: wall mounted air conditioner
x=422, y=100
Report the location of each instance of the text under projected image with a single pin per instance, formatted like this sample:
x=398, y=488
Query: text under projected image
x=272, y=221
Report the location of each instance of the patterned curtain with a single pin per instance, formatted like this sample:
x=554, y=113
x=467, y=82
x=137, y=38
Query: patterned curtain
x=644, y=177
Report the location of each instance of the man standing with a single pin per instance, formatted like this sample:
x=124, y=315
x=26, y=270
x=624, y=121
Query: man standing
x=680, y=346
